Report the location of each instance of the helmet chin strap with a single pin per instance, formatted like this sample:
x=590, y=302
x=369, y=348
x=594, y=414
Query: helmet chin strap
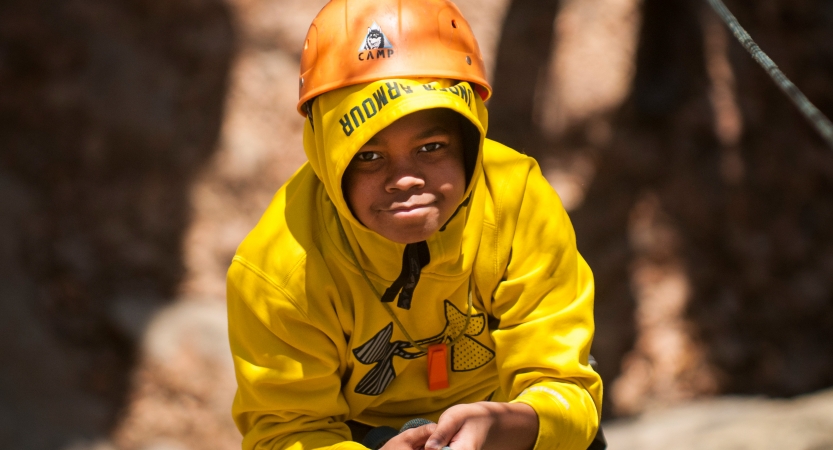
x=307, y=107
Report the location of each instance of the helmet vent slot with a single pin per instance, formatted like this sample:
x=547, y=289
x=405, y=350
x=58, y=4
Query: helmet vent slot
x=453, y=23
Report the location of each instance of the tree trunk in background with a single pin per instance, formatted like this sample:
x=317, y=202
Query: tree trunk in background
x=522, y=58
x=108, y=111
x=714, y=203
x=662, y=156
x=765, y=307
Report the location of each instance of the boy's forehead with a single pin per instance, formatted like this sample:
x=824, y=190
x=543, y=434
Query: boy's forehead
x=437, y=130
x=424, y=124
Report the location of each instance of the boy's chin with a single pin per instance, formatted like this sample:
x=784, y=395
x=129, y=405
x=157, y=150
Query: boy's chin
x=403, y=236
x=407, y=228
x=408, y=233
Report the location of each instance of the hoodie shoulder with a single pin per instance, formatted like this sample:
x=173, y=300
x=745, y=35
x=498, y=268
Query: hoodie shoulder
x=506, y=172
x=505, y=166
x=496, y=153
x=286, y=233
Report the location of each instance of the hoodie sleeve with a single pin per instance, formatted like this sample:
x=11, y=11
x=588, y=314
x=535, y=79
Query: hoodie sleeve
x=287, y=369
x=544, y=303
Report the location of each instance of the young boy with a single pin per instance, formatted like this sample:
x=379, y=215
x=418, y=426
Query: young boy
x=413, y=268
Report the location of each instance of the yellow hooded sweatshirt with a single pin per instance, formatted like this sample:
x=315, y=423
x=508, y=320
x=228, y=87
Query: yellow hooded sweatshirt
x=312, y=344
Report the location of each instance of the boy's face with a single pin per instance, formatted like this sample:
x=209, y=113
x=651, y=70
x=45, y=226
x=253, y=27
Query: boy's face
x=409, y=178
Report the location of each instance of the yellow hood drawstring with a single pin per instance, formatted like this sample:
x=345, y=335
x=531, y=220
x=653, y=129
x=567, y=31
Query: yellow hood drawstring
x=414, y=258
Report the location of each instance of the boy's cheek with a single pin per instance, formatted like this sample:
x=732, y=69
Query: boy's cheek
x=352, y=189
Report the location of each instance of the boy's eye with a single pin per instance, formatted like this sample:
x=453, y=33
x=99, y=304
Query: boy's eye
x=430, y=147
x=366, y=156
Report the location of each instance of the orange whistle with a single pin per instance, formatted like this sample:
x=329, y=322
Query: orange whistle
x=437, y=367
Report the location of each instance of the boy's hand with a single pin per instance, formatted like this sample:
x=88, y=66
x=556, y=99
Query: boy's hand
x=484, y=426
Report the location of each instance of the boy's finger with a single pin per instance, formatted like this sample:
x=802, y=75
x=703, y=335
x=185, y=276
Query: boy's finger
x=443, y=433
x=416, y=437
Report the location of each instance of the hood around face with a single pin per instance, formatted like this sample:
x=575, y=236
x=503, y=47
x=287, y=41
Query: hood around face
x=342, y=121
x=345, y=119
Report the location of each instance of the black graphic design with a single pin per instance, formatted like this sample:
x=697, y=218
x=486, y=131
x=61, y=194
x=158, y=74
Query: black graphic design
x=466, y=354
x=380, y=350
x=374, y=39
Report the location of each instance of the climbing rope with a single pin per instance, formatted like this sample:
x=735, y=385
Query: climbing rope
x=816, y=117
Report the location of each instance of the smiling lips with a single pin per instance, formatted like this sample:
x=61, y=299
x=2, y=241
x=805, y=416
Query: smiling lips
x=408, y=208
x=410, y=203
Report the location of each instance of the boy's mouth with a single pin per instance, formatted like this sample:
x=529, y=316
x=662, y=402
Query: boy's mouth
x=408, y=207
x=411, y=203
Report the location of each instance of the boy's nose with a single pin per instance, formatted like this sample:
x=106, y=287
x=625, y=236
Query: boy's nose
x=404, y=173
x=404, y=182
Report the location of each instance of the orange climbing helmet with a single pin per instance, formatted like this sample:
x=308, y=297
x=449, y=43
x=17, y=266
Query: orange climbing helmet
x=357, y=41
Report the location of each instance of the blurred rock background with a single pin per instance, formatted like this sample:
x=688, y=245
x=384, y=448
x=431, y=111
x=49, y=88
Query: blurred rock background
x=140, y=140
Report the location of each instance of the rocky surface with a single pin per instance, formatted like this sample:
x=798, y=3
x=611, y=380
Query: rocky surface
x=182, y=390
x=731, y=423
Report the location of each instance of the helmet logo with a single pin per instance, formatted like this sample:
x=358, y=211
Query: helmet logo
x=375, y=44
